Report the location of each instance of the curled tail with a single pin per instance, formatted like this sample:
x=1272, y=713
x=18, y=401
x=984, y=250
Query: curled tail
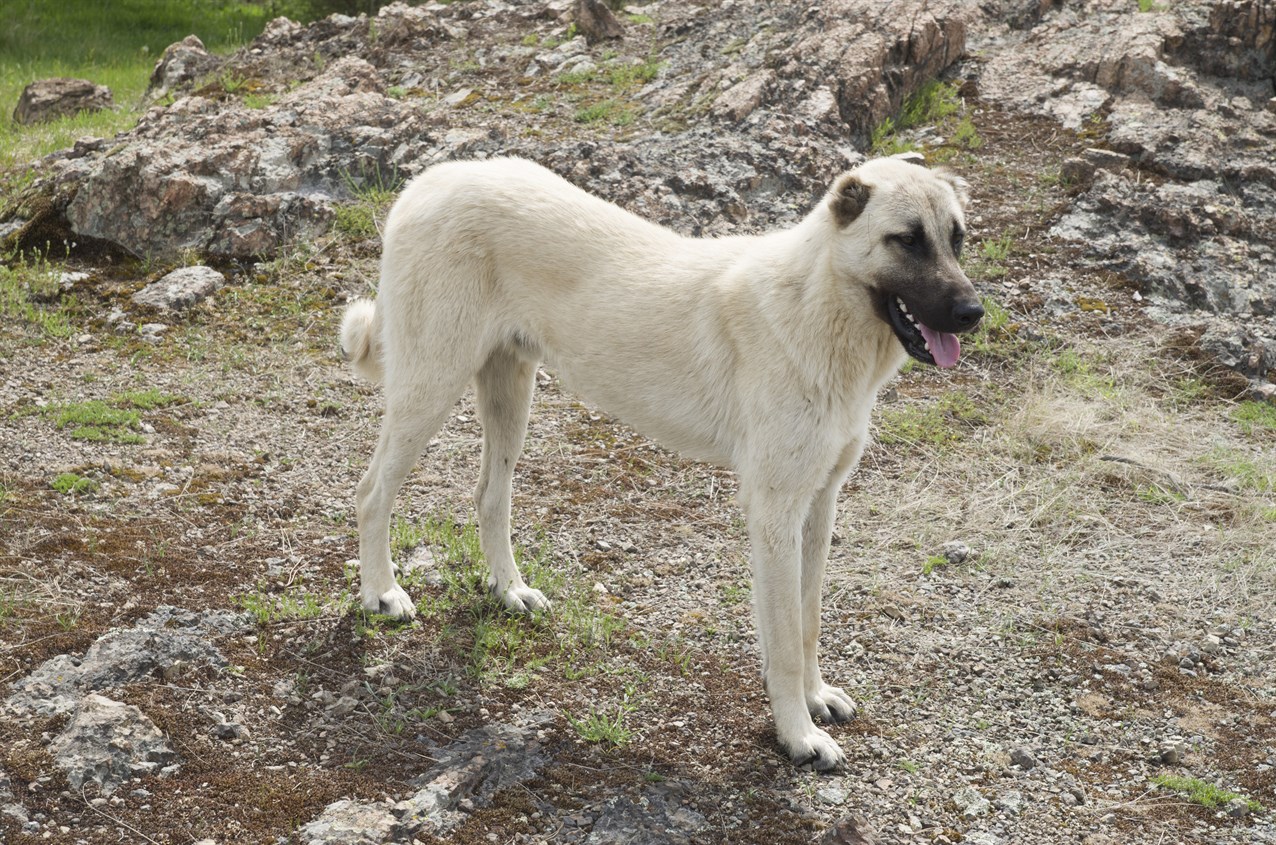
x=361, y=339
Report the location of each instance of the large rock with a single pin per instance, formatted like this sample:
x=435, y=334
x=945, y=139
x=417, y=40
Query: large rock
x=107, y=743
x=50, y=99
x=469, y=772
x=1183, y=93
x=166, y=643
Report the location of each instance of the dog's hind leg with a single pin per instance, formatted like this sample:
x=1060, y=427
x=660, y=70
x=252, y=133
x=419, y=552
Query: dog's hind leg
x=504, y=394
x=413, y=414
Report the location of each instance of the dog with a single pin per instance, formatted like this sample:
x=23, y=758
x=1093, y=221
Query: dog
x=762, y=354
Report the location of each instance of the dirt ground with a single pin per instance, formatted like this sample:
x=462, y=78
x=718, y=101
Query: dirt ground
x=1116, y=499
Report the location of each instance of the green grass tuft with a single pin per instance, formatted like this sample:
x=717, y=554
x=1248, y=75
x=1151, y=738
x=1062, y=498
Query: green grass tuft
x=1253, y=416
x=1203, y=792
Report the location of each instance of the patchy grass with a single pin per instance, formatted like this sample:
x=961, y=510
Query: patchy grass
x=31, y=295
x=937, y=104
x=70, y=484
x=937, y=424
x=1254, y=417
x=1204, y=793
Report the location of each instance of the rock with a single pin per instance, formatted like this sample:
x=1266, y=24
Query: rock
x=1010, y=803
x=1023, y=758
x=1239, y=808
x=659, y=815
x=107, y=743
x=181, y=63
x=9, y=805
x=166, y=638
x=50, y=99
x=470, y=771
x=181, y=288
x=955, y=552
x=970, y=803
x=596, y=21
x=849, y=830
x=349, y=822
x=742, y=99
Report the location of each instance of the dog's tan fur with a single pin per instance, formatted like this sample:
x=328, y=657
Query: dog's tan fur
x=761, y=354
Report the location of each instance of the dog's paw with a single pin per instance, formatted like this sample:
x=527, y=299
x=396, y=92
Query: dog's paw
x=393, y=602
x=816, y=751
x=830, y=705
x=521, y=599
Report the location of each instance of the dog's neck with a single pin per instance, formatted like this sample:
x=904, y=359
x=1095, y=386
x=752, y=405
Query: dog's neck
x=795, y=267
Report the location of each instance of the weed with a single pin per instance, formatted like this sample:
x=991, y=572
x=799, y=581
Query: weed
x=293, y=605
x=148, y=400
x=598, y=726
x=908, y=766
x=933, y=563
x=70, y=484
x=97, y=422
x=259, y=101
x=994, y=335
x=1246, y=472
x=1155, y=494
x=612, y=111
x=1254, y=416
x=1203, y=792
x=30, y=293
x=933, y=103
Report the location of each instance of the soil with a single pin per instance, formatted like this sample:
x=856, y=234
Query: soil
x=1114, y=506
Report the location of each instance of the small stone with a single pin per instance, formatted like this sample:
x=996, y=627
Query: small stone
x=955, y=551
x=970, y=803
x=1239, y=808
x=1023, y=758
x=49, y=99
x=181, y=288
x=832, y=795
x=1011, y=803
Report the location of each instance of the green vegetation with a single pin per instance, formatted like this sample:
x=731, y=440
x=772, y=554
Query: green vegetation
x=70, y=484
x=933, y=563
x=115, y=421
x=1204, y=793
x=994, y=335
x=1253, y=416
x=1245, y=471
x=373, y=193
x=935, y=103
x=938, y=423
x=614, y=112
x=598, y=726
x=31, y=294
x=292, y=605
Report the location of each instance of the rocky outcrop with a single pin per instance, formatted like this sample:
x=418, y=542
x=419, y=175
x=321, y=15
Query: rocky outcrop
x=469, y=772
x=49, y=99
x=1184, y=95
x=165, y=644
x=107, y=743
x=181, y=64
x=342, y=103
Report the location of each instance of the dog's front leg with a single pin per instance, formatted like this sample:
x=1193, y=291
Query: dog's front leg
x=825, y=702
x=776, y=523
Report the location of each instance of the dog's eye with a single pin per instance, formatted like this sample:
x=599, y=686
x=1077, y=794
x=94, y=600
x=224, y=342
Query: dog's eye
x=957, y=241
x=906, y=240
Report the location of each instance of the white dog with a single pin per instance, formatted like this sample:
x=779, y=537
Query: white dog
x=761, y=354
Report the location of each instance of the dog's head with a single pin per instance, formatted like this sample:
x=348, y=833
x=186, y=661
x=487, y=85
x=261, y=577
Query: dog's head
x=902, y=228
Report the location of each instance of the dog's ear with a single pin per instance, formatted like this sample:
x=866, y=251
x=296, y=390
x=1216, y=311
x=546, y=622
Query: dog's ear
x=848, y=198
x=912, y=157
x=959, y=185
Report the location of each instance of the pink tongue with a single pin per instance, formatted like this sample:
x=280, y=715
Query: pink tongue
x=945, y=348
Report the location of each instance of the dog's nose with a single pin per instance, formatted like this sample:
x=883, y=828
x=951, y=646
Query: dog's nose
x=967, y=314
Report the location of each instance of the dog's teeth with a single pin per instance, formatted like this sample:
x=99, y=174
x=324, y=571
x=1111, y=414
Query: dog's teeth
x=902, y=306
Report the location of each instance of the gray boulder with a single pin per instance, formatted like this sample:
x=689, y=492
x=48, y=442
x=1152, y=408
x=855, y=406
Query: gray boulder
x=166, y=643
x=107, y=743
x=50, y=99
